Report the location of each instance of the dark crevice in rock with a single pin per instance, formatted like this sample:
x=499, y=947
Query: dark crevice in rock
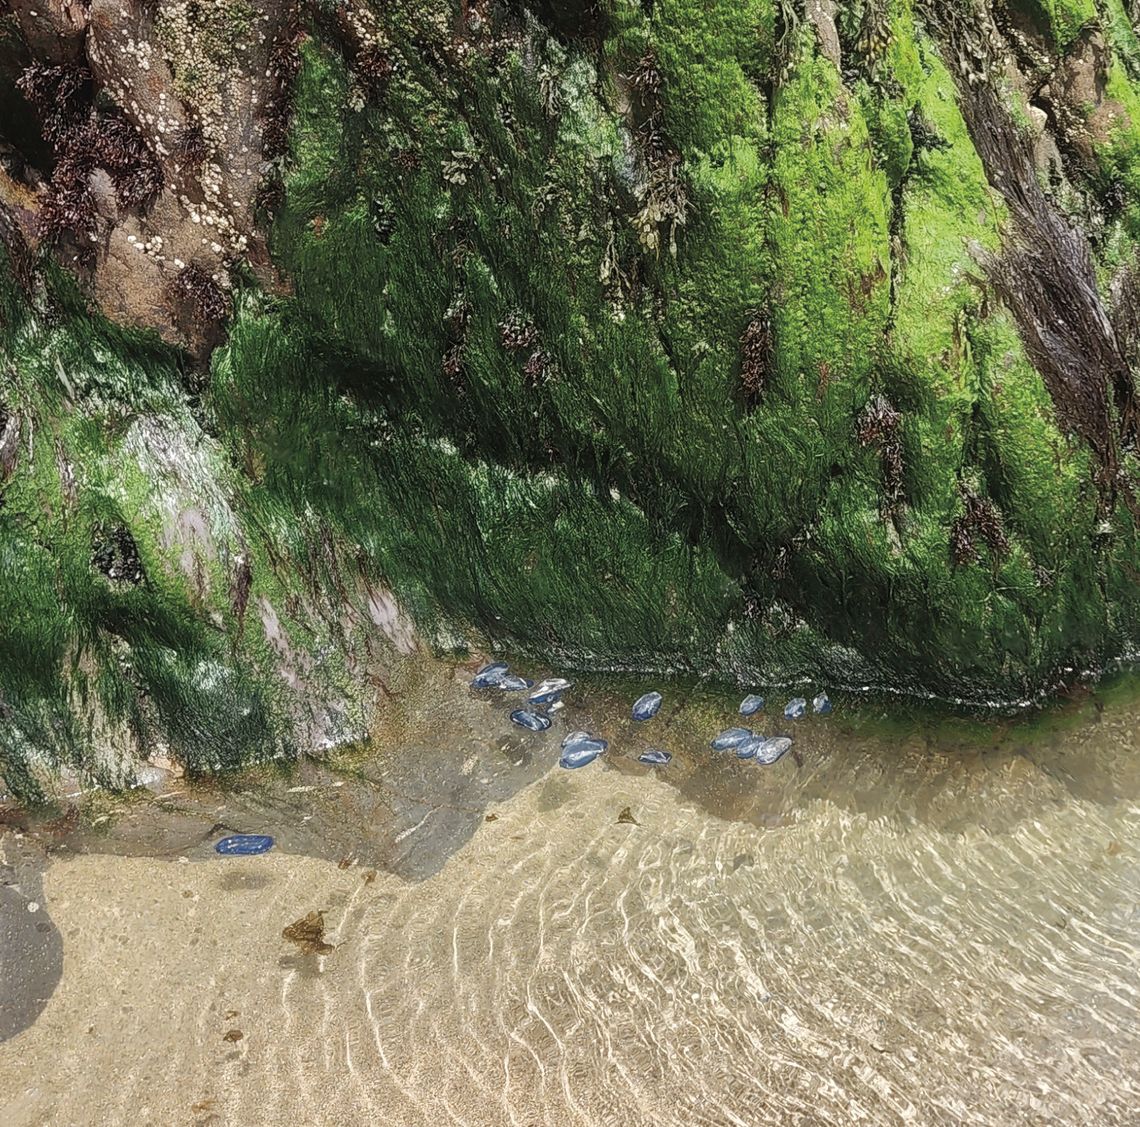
x=757, y=355
x=116, y=555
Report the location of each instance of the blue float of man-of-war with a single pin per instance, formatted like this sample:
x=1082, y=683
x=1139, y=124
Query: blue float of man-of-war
x=244, y=845
x=795, y=708
x=730, y=738
x=751, y=704
x=534, y=721
x=549, y=691
x=647, y=706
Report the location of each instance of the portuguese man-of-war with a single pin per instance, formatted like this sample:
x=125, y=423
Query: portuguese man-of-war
x=535, y=721
x=730, y=738
x=751, y=704
x=647, y=706
x=795, y=708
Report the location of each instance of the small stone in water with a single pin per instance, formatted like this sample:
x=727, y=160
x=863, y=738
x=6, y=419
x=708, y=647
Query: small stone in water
x=821, y=704
x=772, y=750
x=795, y=708
x=490, y=675
x=730, y=737
x=749, y=748
x=579, y=754
x=646, y=707
x=626, y=818
x=654, y=757
x=535, y=721
x=750, y=704
x=549, y=690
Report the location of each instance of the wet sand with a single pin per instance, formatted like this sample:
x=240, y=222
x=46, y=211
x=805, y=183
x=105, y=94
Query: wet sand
x=909, y=928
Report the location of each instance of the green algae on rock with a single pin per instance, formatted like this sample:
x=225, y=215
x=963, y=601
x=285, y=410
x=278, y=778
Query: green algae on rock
x=706, y=337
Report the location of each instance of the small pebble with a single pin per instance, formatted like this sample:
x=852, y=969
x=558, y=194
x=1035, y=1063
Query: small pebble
x=821, y=705
x=772, y=750
x=654, y=757
x=647, y=706
x=535, y=721
x=549, y=690
x=729, y=738
x=795, y=708
x=750, y=704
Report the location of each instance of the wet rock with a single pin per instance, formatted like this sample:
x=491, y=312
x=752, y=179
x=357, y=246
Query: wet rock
x=751, y=704
x=549, y=690
x=654, y=757
x=821, y=705
x=31, y=956
x=626, y=818
x=490, y=675
x=647, y=706
x=730, y=738
x=770, y=751
x=535, y=721
x=309, y=934
x=795, y=708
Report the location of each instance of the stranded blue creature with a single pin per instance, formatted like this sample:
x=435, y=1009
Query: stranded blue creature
x=549, y=691
x=795, y=708
x=535, y=721
x=730, y=738
x=772, y=750
x=751, y=704
x=647, y=706
x=244, y=845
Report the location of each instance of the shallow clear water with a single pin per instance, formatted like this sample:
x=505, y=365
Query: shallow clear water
x=916, y=923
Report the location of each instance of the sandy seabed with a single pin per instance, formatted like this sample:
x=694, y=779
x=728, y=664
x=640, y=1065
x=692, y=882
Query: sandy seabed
x=878, y=955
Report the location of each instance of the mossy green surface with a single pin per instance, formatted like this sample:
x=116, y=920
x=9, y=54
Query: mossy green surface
x=793, y=193
x=503, y=390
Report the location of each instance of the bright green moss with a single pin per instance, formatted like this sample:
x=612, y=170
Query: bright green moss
x=710, y=55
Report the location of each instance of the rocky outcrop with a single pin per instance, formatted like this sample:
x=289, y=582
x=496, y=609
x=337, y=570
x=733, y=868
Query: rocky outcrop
x=770, y=339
